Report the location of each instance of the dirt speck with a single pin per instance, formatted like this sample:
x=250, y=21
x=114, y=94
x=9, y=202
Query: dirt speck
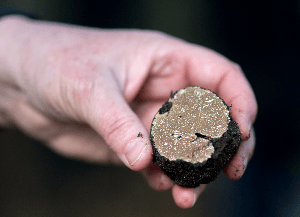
x=140, y=135
x=248, y=137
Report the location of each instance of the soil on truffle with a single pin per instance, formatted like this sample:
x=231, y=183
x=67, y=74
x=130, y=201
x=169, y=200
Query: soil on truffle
x=187, y=174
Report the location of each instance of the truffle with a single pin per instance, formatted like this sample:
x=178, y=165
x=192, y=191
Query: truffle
x=194, y=136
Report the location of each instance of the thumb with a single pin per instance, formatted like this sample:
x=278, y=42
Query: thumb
x=122, y=130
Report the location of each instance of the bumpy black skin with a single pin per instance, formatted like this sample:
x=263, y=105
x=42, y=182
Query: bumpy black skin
x=187, y=174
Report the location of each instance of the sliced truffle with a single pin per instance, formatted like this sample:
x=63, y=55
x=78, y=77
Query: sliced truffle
x=194, y=136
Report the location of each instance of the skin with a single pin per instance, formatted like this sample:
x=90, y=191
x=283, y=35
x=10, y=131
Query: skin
x=87, y=93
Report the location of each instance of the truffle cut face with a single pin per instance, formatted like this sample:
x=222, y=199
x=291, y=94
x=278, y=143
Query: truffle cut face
x=184, y=127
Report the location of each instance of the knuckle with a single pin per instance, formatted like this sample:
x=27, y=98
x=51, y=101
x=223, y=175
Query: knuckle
x=235, y=66
x=233, y=69
x=116, y=129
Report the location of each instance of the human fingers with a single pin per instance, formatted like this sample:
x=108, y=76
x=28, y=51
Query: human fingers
x=178, y=64
x=73, y=140
x=186, y=197
x=156, y=178
x=110, y=115
x=213, y=71
x=147, y=110
x=237, y=166
x=68, y=79
x=81, y=142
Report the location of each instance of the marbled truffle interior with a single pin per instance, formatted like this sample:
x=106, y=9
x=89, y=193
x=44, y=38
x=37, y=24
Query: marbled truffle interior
x=194, y=117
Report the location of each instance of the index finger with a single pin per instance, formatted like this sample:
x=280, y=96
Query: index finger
x=213, y=71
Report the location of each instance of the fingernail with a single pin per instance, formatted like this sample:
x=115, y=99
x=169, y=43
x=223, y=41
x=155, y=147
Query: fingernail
x=249, y=128
x=134, y=151
x=245, y=163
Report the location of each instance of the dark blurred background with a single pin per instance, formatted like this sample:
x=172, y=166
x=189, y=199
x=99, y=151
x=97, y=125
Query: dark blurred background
x=263, y=37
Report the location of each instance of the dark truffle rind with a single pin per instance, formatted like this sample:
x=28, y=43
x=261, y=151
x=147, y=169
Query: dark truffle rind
x=187, y=174
x=165, y=108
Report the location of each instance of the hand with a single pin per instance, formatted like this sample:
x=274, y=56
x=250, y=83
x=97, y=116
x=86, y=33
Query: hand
x=88, y=93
